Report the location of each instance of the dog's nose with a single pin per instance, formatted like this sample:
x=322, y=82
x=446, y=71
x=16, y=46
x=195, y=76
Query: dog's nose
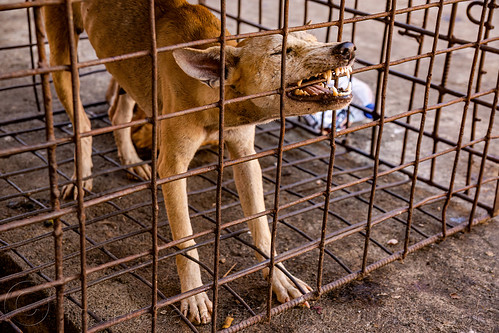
x=346, y=50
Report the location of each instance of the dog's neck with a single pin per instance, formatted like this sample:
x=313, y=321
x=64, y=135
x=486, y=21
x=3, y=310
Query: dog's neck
x=235, y=114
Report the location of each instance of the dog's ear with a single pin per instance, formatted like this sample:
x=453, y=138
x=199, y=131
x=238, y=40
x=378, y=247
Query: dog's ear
x=204, y=65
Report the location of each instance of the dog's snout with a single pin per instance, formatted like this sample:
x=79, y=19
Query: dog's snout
x=346, y=50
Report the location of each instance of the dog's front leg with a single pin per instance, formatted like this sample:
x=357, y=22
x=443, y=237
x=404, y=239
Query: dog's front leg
x=248, y=178
x=177, y=150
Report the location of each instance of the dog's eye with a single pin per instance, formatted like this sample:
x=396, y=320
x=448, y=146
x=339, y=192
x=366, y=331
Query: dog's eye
x=288, y=51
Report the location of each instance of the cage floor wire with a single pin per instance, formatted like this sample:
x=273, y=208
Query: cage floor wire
x=118, y=218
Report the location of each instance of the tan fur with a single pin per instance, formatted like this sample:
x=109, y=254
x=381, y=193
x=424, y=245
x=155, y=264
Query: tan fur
x=188, y=78
x=141, y=134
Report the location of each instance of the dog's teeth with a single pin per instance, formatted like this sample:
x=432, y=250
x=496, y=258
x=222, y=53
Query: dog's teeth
x=335, y=91
x=342, y=71
x=299, y=92
x=328, y=75
x=299, y=83
x=347, y=91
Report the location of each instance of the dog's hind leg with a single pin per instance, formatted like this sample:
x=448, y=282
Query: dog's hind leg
x=121, y=112
x=248, y=178
x=58, y=37
x=178, y=146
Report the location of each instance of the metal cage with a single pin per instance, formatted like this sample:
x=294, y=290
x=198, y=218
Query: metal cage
x=340, y=203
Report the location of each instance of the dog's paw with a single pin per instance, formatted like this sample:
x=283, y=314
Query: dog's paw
x=197, y=308
x=71, y=189
x=143, y=171
x=285, y=289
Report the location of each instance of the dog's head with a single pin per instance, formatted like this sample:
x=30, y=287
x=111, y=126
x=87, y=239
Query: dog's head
x=254, y=66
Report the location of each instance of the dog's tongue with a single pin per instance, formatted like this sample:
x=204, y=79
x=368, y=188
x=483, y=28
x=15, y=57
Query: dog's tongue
x=316, y=90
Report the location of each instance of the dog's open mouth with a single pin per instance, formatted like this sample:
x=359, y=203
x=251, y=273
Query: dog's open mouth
x=323, y=87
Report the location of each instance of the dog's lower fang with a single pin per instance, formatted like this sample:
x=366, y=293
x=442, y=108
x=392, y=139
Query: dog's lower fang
x=334, y=90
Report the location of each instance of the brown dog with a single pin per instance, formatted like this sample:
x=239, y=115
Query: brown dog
x=189, y=78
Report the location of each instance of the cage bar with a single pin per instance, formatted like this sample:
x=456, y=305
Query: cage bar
x=402, y=164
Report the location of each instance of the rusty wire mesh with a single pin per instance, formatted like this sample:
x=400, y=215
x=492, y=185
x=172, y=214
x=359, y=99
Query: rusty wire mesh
x=425, y=167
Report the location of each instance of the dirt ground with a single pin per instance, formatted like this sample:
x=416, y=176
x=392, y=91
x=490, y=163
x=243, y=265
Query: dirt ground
x=450, y=286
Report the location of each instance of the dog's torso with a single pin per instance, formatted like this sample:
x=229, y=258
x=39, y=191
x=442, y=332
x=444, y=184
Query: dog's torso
x=177, y=91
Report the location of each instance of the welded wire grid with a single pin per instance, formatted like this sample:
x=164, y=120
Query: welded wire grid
x=425, y=167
